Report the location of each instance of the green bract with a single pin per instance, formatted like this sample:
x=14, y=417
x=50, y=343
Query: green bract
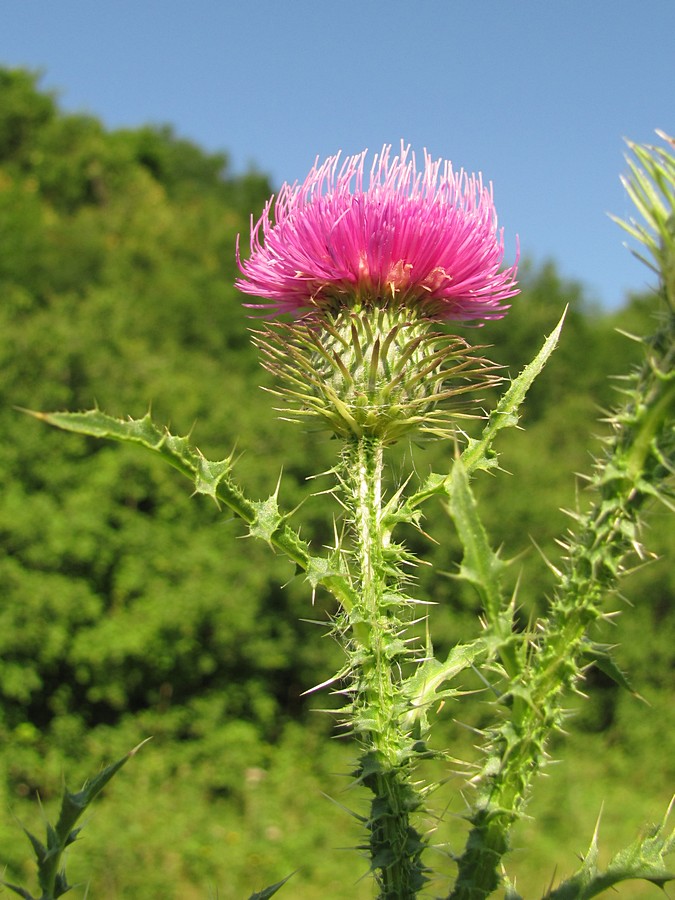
x=378, y=372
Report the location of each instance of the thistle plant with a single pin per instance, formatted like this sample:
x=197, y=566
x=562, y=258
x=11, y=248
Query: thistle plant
x=357, y=286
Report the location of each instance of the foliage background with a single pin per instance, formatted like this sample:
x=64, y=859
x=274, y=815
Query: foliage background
x=128, y=608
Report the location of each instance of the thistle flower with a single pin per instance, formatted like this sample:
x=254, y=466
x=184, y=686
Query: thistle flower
x=421, y=240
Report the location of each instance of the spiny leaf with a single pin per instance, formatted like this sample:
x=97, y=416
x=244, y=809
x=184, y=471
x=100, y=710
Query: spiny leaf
x=213, y=478
x=61, y=885
x=478, y=453
x=272, y=889
x=480, y=565
x=52, y=880
x=426, y=685
x=18, y=890
x=73, y=805
x=434, y=486
x=643, y=859
x=38, y=847
x=600, y=655
x=268, y=520
x=510, y=893
x=322, y=571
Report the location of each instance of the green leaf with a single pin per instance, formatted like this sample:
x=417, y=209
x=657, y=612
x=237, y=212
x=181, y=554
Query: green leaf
x=211, y=478
x=18, y=890
x=510, y=893
x=427, y=685
x=73, y=805
x=478, y=453
x=434, y=486
x=268, y=520
x=480, y=565
x=643, y=859
x=269, y=891
x=600, y=655
x=38, y=847
x=52, y=880
x=61, y=885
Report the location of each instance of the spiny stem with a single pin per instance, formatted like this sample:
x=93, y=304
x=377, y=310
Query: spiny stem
x=384, y=767
x=637, y=464
x=368, y=459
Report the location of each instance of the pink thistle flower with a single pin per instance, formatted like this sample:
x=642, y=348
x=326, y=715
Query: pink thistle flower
x=426, y=240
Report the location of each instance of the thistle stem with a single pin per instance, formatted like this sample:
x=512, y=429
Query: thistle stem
x=384, y=767
x=637, y=464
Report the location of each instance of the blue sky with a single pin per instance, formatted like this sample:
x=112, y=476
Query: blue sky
x=535, y=94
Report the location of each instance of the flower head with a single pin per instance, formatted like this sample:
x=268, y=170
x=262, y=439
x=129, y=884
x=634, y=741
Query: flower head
x=425, y=240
